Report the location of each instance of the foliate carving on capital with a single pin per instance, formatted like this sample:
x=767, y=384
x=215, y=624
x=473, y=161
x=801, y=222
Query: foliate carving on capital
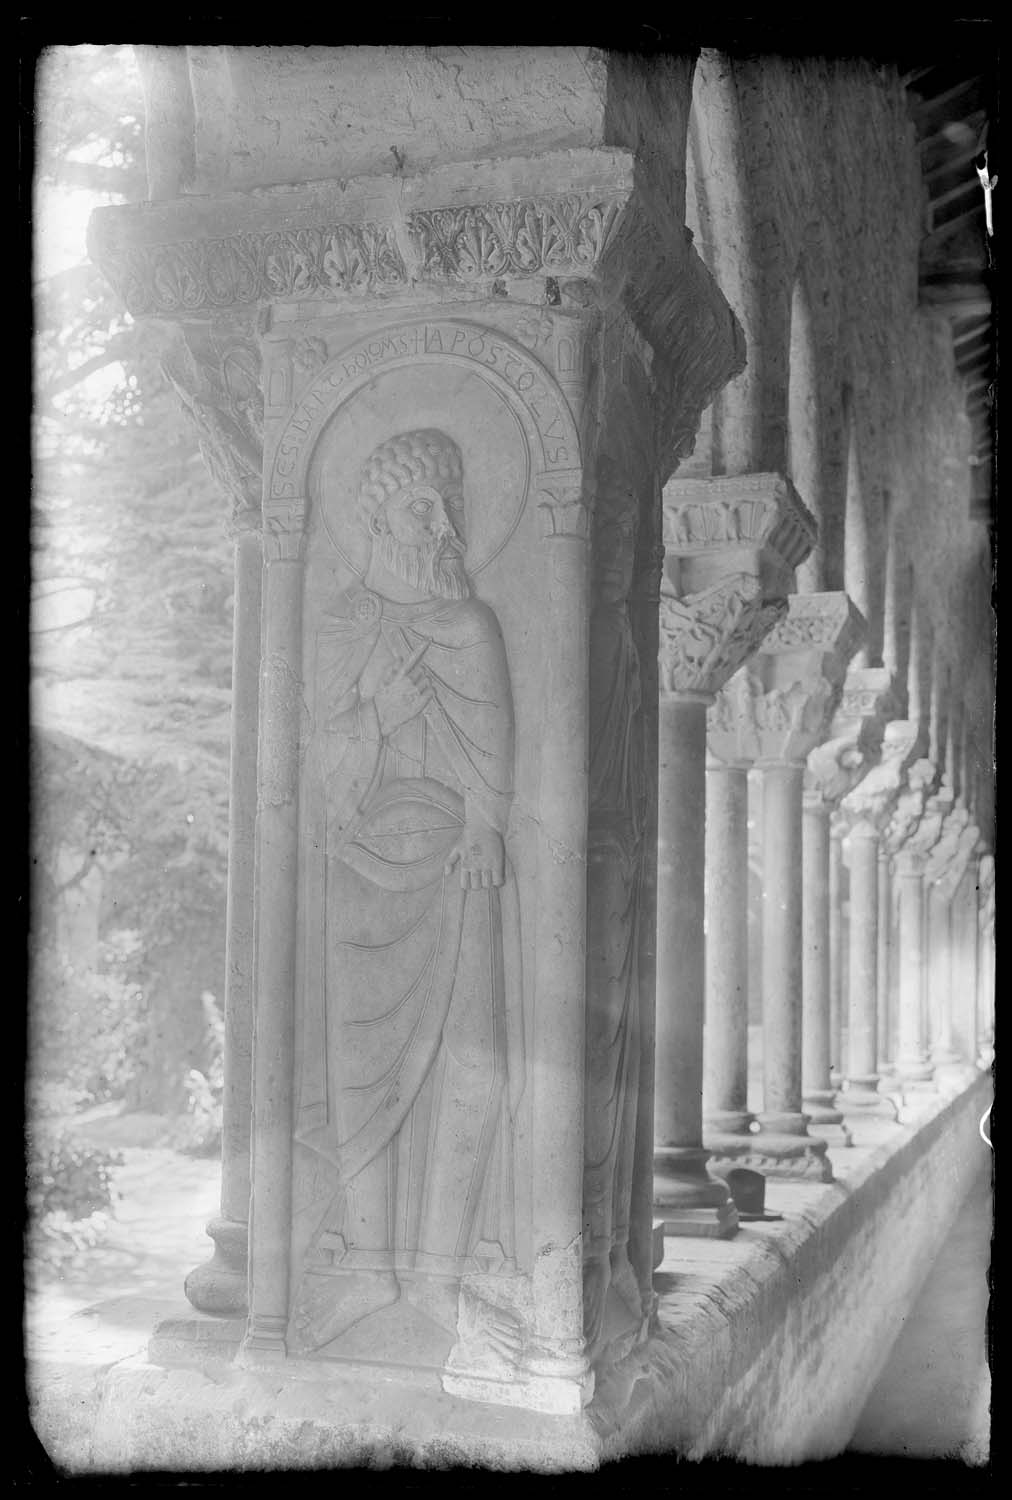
x=283, y=528
x=217, y=381
x=705, y=637
x=202, y=276
x=873, y=796
x=826, y=622
x=562, y=506
x=910, y=804
x=748, y=725
x=758, y=510
x=523, y=238
x=832, y=770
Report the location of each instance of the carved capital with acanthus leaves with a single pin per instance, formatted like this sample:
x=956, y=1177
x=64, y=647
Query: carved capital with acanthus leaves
x=781, y=705
x=731, y=547
x=705, y=637
x=910, y=804
x=283, y=530
x=562, y=507
x=955, y=823
x=751, y=522
x=889, y=751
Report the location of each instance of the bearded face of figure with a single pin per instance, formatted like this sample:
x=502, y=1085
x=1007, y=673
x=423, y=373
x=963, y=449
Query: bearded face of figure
x=416, y=541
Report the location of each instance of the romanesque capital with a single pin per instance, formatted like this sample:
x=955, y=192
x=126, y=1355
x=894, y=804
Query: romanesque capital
x=917, y=780
x=215, y=369
x=873, y=795
x=731, y=547
x=985, y=886
x=779, y=707
x=754, y=523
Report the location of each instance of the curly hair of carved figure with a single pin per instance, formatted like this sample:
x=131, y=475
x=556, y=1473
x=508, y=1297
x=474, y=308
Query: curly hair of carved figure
x=425, y=456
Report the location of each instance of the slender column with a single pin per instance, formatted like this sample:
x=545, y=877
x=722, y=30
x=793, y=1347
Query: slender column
x=561, y=979
x=782, y=1123
x=725, y=1073
x=732, y=545
x=942, y=974
x=818, y=1095
x=276, y=861
x=912, y=1061
x=862, y=1027
x=688, y=1200
x=220, y=1284
x=835, y=902
x=886, y=1064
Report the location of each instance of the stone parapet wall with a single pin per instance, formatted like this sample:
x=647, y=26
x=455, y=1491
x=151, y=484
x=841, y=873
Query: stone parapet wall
x=766, y=1348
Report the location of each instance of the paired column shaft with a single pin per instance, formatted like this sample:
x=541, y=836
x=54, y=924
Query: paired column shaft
x=725, y=1067
x=816, y=1022
x=685, y=1196
x=912, y=1061
x=862, y=1014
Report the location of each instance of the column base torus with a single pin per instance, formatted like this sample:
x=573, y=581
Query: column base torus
x=726, y=1134
x=820, y=1108
x=861, y=1092
x=915, y=1070
x=219, y=1286
x=782, y=1148
x=687, y=1200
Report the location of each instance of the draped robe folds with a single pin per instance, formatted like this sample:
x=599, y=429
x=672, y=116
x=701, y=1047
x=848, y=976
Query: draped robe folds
x=411, y=1047
x=614, y=848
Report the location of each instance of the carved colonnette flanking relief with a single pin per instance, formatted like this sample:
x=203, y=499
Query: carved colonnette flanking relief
x=613, y=1284
x=418, y=834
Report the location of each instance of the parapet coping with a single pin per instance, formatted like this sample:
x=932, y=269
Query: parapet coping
x=718, y=1301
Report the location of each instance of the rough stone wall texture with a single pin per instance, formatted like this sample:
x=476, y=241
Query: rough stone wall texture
x=276, y=115
x=805, y=188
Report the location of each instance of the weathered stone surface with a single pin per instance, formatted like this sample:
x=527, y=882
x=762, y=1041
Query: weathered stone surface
x=749, y=1333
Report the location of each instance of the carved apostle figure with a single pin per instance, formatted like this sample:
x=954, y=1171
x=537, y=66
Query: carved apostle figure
x=419, y=1029
x=612, y=1303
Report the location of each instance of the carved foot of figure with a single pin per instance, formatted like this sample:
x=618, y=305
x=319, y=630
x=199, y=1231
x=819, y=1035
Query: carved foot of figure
x=328, y=1306
x=490, y=1336
x=219, y=1285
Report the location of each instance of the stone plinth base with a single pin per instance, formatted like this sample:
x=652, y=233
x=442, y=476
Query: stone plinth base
x=794, y=1157
x=219, y=1286
x=687, y=1200
x=215, y=1416
x=708, y=1223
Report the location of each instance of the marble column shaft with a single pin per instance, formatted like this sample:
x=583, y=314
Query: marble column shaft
x=862, y=1028
x=725, y=1056
x=220, y=1285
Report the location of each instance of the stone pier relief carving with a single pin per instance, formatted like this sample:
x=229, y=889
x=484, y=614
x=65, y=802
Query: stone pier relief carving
x=422, y=984
x=411, y=1072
